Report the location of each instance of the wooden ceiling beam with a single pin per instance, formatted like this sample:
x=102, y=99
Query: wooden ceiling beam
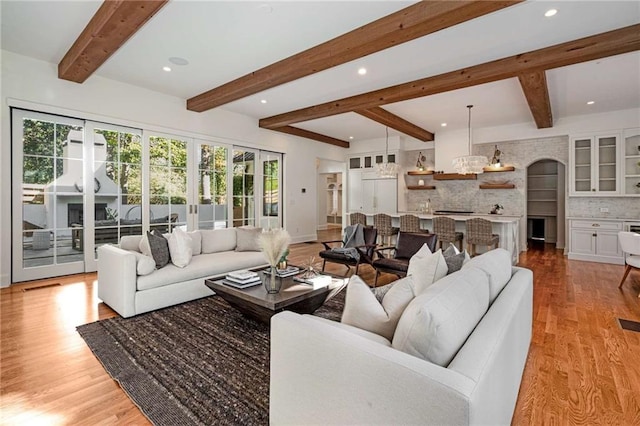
x=111, y=26
x=415, y=21
x=599, y=46
x=534, y=86
x=296, y=131
x=388, y=119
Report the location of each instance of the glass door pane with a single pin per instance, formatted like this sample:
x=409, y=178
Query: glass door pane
x=244, y=171
x=607, y=164
x=582, y=165
x=48, y=183
x=117, y=192
x=271, y=200
x=167, y=183
x=213, y=202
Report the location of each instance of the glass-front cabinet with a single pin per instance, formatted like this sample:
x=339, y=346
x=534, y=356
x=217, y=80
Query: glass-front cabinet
x=595, y=164
x=631, y=159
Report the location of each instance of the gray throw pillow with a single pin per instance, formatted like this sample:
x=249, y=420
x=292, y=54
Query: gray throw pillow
x=453, y=258
x=159, y=248
x=247, y=238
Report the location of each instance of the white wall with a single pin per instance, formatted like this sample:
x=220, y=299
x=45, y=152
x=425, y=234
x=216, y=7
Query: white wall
x=33, y=83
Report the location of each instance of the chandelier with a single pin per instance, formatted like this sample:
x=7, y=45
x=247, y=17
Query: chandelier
x=387, y=169
x=470, y=164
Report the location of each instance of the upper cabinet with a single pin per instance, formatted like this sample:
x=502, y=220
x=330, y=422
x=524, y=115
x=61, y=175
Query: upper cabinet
x=631, y=162
x=595, y=165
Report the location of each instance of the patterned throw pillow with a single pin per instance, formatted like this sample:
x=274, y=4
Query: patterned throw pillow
x=159, y=248
x=454, y=258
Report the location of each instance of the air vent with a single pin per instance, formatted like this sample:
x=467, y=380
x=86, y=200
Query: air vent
x=39, y=287
x=629, y=325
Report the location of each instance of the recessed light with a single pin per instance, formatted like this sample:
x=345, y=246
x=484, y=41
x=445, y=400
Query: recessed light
x=167, y=69
x=362, y=71
x=443, y=124
x=590, y=103
x=263, y=101
x=178, y=61
x=350, y=137
x=549, y=13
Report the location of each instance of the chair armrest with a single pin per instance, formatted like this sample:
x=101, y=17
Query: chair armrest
x=326, y=243
x=380, y=251
x=117, y=279
x=325, y=375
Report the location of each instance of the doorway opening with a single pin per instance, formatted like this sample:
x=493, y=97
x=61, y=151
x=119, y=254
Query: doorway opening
x=546, y=203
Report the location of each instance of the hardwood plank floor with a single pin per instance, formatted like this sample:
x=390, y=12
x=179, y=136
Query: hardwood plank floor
x=583, y=369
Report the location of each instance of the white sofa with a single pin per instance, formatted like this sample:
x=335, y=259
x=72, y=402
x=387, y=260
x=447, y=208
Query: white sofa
x=325, y=372
x=128, y=293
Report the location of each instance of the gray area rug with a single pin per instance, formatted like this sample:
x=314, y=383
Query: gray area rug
x=200, y=362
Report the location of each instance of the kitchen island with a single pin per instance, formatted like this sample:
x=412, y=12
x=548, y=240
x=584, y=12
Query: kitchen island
x=507, y=227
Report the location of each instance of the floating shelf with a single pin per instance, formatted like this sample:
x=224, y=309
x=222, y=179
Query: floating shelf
x=454, y=176
x=497, y=186
x=490, y=169
x=421, y=187
x=419, y=172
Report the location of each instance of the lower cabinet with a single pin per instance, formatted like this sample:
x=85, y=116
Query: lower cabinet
x=595, y=240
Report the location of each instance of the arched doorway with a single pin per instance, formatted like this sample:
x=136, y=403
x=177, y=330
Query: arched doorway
x=546, y=191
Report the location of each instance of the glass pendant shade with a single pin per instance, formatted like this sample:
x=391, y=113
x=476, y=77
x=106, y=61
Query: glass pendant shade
x=470, y=164
x=387, y=169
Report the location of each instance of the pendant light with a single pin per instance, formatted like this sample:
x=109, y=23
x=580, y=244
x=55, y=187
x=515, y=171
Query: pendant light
x=470, y=164
x=387, y=169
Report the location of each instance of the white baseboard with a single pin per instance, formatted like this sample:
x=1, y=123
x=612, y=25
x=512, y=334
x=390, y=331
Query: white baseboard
x=304, y=238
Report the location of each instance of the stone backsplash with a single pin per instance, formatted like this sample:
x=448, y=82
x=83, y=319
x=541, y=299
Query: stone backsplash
x=627, y=208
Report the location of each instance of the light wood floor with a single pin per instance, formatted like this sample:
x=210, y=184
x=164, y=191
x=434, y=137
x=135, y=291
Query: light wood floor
x=583, y=369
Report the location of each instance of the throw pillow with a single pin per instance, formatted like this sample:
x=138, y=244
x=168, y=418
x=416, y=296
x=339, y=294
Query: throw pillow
x=159, y=248
x=436, y=323
x=144, y=264
x=426, y=268
x=247, y=238
x=144, y=246
x=362, y=309
x=180, y=248
x=454, y=258
x=130, y=242
x=196, y=242
x=496, y=264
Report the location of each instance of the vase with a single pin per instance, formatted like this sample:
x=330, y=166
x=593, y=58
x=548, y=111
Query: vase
x=272, y=282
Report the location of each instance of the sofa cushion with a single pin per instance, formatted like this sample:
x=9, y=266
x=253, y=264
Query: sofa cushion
x=426, y=268
x=437, y=322
x=144, y=246
x=203, y=266
x=159, y=248
x=496, y=264
x=247, y=238
x=216, y=240
x=180, y=248
x=131, y=243
x=363, y=310
x=196, y=242
x=144, y=264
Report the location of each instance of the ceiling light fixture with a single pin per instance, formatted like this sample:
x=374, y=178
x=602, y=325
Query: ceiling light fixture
x=590, y=102
x=167, y=69
x=362, y=71
x=549, y=13
x=387, y=169
x=469, y=164
x=350, y=137
x=443, y=124
x=263, y=101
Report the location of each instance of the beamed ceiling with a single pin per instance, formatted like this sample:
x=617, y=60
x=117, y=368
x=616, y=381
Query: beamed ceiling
x=301, y=58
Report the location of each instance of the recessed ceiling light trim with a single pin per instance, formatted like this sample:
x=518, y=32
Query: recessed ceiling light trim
x=166, y=69
x=551, y=12
x=362, y=71
x=175, y=60
x=263, y=101
x=591, y=102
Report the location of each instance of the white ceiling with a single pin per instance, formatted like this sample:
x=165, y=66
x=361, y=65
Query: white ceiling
x=223, y=40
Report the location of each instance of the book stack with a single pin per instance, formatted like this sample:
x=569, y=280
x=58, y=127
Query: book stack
x=317, y=281
x=242, y=279
x=288, y=272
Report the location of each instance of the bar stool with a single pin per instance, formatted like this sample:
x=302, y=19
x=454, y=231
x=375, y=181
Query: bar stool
x=382, y=222
x=445, y=228
x=357, y=218
x=411, y=223
x=479, y=233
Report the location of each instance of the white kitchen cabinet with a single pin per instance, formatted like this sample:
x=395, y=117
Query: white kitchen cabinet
x=631, y=162
x=595, y=240
x=595, y=164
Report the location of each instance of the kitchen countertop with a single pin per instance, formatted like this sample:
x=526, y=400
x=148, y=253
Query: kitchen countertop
x=615, y=219
x=459, y=217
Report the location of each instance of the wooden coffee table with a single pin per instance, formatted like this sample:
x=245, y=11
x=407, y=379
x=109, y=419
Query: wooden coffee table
x=256, y=303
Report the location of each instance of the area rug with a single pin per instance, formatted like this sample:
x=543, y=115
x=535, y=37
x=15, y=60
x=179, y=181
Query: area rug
x=201, y=362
